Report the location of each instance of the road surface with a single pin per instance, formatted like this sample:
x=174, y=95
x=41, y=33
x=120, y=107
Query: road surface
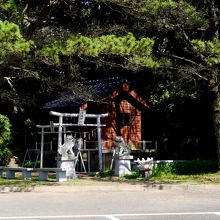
x=112, y=204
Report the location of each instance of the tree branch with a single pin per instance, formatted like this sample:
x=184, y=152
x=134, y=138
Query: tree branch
x=188, y=61
x=43, y=14
x=9, y=81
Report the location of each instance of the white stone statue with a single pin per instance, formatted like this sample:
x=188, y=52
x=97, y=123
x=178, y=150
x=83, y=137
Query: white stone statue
x=122, y=157
x=68, y=158
x=66, y=150
x=145, y=166
x=121, y=148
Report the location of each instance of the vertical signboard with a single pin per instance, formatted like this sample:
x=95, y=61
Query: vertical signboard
x=82, y=116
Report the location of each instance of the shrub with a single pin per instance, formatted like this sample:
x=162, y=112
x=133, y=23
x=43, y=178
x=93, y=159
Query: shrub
x=195, y=167
x=5, y=136
x=107, y=173
x=162, y=169
x=186, y=168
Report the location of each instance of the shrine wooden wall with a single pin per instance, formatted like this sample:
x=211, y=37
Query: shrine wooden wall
x=124, y=118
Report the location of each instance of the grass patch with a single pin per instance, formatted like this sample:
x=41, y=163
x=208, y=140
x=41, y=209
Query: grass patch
x=25, y=183
x=196, y=171
x=186, y=168
x=206, y=178
x=186, y=172
x=134, y=175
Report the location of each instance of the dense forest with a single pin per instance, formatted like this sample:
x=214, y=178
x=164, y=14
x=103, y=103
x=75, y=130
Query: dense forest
x=168, y=49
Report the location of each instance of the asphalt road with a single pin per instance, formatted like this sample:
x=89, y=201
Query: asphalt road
x=98, y=204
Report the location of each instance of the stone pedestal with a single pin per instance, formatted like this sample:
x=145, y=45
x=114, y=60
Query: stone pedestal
x=68, y=165
x=123, y=165
x=148, y=173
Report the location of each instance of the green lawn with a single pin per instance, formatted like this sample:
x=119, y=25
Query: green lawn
x=210, y=178
x=19, y=182
x=206, y=178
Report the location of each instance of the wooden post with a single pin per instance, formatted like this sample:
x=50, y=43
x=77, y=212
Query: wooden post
x=42, y=148
x=99, y=142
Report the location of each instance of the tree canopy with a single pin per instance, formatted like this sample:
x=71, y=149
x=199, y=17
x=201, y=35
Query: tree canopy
x=45, y=45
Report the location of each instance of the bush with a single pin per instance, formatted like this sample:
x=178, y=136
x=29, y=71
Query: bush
x=196, y=167
x=5, y=156
x=186, y=168
x=5, y=136
x=107, y=173
x=163, y=170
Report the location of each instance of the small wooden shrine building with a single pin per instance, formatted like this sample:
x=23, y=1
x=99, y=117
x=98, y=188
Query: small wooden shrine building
x=114, y=96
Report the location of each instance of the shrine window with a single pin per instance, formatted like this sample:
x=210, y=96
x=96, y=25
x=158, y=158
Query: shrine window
x=124, y=118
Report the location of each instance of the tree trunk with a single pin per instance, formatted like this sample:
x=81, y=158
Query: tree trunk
x=216, y=117
x=213, y=17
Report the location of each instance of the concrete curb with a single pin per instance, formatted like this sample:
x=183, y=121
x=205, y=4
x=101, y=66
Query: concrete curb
x=109, y=188
x=125, y=187
x=90, y=185
x=16, y=189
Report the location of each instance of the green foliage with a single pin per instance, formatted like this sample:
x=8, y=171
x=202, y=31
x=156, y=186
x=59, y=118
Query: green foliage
x=163, y=170
x=8, y=5
x=167, y=92
x=11, y=40
x=5, y=129
x=51, y=53
x=5, y=155
x=148, y=4
x=210, y=48
x=29, y=123
x=5, y=136
x=159, y=28
x=107, y=173
x=30, y=164
x=189, y=15
x=165, y=13
x=186, y=168
x=136, y=51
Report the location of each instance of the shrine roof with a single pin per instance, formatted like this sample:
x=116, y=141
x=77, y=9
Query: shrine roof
x=84, y=91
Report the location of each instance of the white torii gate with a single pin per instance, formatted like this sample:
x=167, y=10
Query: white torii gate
x=81, y=119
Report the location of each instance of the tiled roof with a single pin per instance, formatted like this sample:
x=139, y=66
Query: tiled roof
x=86, y=90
